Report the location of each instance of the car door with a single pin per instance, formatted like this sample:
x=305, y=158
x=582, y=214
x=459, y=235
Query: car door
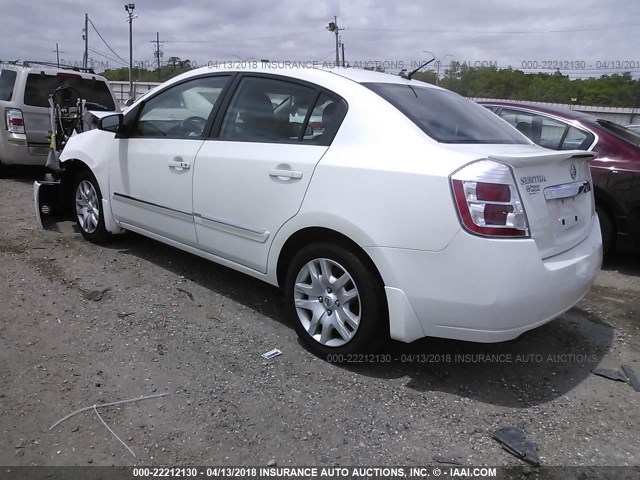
x=151, y=177
x=251, y=177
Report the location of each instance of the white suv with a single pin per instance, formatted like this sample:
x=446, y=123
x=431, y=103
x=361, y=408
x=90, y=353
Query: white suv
x=24, y=106
x=408, y=212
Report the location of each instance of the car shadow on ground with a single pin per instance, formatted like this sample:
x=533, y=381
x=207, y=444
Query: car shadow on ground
x=536, y=368
x=625, y=263
x=248, y=291
x=23, y=173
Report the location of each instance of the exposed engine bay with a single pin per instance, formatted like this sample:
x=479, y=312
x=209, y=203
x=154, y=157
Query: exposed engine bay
x=68, y=115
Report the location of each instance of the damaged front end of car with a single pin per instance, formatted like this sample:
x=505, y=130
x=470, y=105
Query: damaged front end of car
x=69, y=115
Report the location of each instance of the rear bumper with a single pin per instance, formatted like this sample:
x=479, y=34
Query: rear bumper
x=15, y=150
x=483, y=290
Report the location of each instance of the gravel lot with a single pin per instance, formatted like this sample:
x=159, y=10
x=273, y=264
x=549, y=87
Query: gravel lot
x=82, y=324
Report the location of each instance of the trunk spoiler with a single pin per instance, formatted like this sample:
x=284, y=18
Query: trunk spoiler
x=552, y=156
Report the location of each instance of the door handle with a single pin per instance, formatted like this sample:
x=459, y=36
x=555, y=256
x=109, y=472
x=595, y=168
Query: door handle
x=280, y=173
x=178, y=163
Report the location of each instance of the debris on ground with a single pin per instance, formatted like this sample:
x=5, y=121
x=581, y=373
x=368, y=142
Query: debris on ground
x=111, y=404
x=186, y=292
x=445, y=460
x=513, y=440
x=633, y=377
x=95, y=295
x=19, y=448
x=271, y=354
x=125, y=315
x=609, y=373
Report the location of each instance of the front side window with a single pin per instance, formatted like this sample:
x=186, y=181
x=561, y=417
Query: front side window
x=522, y=121
x=181, y=111
x=267, y=110
x=94, y=91
x=445, y=116
x=7, y=82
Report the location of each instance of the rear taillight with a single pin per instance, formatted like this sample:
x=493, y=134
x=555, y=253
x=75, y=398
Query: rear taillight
x=488, y=201
x=14, y=120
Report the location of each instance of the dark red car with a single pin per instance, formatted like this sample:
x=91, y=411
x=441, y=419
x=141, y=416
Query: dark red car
x=616, y=171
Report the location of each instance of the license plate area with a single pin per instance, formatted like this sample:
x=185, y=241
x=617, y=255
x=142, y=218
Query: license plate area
x=570, y=208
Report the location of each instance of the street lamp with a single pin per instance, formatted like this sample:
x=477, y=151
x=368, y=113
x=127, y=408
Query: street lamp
x=333, y=27
x=130, y=7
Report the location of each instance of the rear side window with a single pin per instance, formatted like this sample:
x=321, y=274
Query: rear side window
x=39, y=87
x=446, y=116
x=7, y=81
x=267, y=110
x=577, y=139
x=325, y=119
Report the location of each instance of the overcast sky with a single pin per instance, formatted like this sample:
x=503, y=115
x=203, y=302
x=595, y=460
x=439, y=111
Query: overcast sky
x=503, y=32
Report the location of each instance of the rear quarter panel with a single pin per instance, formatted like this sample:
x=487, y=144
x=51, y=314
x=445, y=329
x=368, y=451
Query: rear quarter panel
x=382, y=183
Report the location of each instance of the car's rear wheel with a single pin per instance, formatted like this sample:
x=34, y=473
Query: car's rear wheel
x=606, y=228
x=337, y=303
x=87, y=202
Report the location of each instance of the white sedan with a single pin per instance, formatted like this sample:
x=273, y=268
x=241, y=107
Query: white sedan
x=402, y=210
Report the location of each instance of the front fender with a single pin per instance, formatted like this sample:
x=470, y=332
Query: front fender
x=94, y=149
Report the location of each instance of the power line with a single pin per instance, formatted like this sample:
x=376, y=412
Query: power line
x=489, y=32
x=105, y=42
x=236, y=40
x=107, y=57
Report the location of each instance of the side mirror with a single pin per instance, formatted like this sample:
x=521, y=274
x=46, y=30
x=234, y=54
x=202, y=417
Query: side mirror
x=110, y=123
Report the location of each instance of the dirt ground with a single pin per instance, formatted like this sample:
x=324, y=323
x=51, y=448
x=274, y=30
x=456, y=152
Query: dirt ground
x=82, y=324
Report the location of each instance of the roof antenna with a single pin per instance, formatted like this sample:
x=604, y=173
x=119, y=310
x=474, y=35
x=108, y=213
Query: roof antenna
x=413, y=72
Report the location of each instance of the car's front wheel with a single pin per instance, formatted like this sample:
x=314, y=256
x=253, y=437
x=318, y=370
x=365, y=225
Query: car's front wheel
x=337, y=303
x=87, y=201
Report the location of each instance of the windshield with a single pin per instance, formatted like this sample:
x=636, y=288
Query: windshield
x=621, y=132
x=447, y=117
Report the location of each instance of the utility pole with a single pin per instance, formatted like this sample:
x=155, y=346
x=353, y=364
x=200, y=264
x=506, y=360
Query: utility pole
x=130, y=8
x=158, y=53
x=58, y=52
x=342, y=45
x=333, y=27
x=85, y=37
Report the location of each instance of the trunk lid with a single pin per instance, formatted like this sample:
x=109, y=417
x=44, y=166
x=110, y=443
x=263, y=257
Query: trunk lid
x=556, y=192
x=555, y=187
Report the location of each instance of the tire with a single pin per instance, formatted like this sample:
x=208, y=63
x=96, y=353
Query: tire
x=87, y=207
x=336, y=303
x=606, y=228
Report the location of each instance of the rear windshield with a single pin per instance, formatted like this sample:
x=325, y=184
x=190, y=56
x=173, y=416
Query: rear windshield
x=447, y=117
x=621, y=132
x=39, y=87
x=7, y=81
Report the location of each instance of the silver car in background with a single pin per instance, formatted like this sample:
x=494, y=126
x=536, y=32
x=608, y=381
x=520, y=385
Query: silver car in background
x=24, y=106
